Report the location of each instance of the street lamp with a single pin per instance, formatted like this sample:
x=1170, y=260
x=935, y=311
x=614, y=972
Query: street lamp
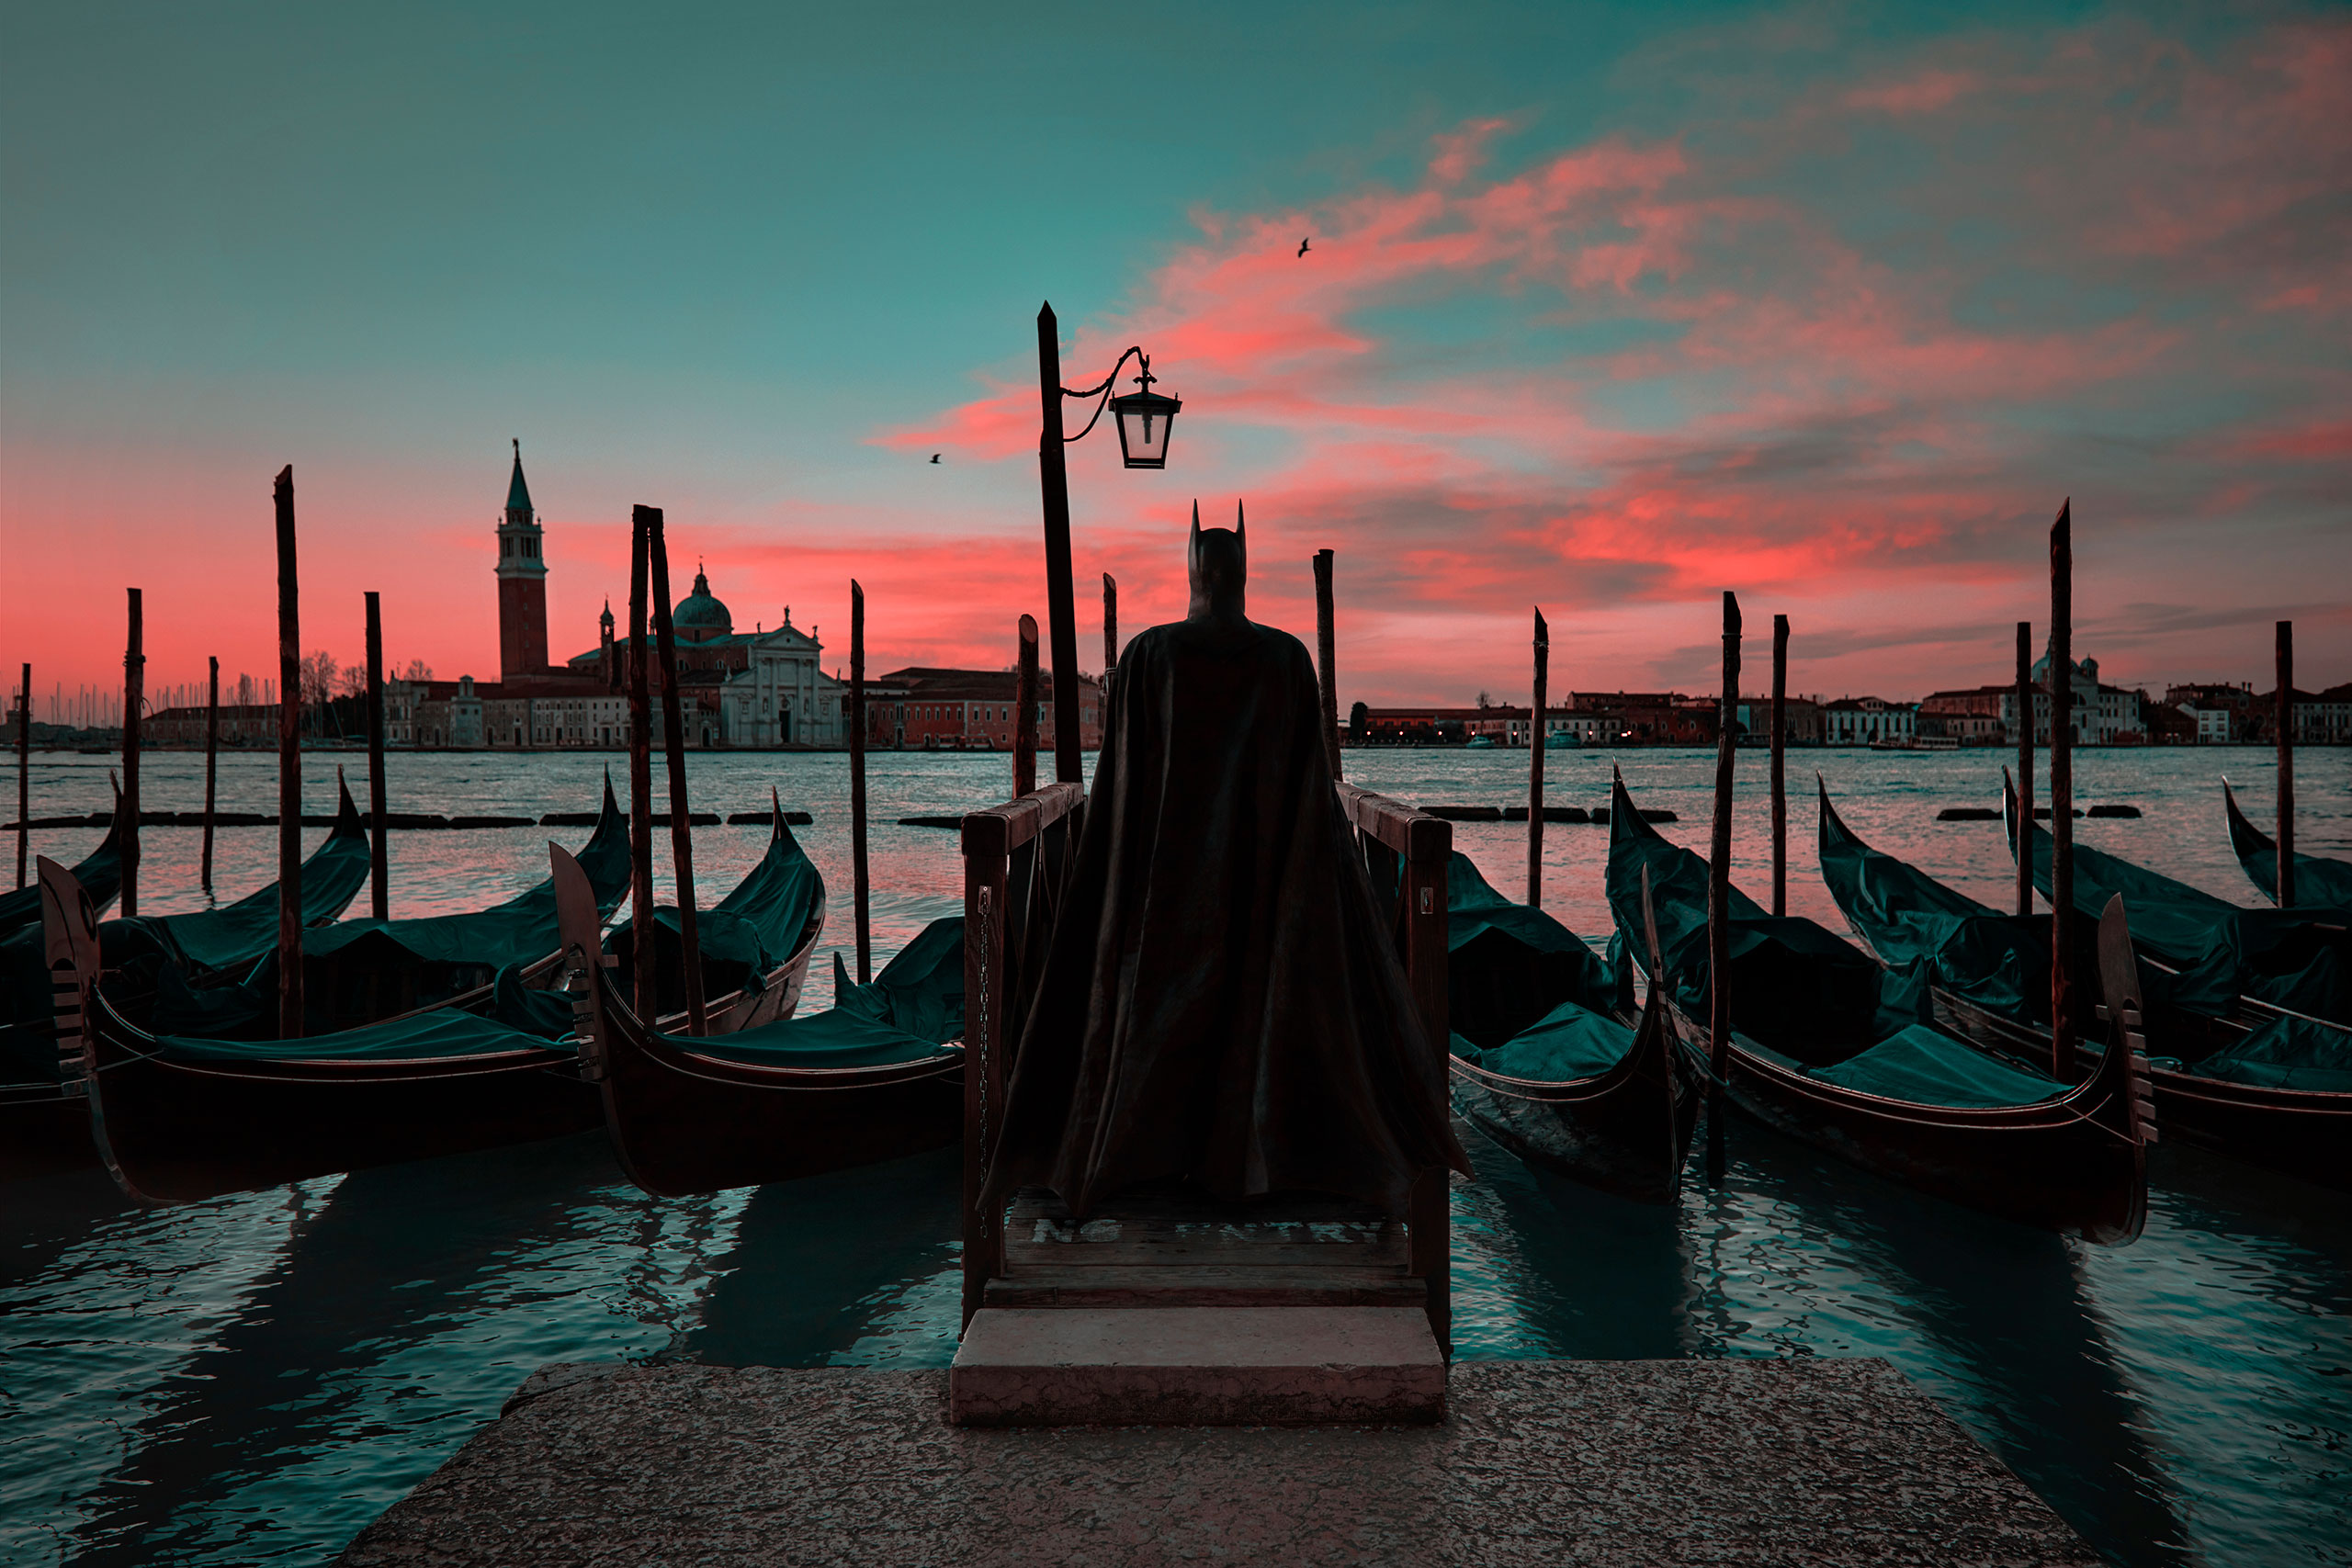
x=1146, y=420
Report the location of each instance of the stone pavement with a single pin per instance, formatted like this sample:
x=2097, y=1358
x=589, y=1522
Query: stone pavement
x=1814, y=1462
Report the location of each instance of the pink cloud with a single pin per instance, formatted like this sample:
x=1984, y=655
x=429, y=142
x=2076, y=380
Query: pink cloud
x=1925, y=93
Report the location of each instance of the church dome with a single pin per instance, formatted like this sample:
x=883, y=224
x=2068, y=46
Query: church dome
x=699, y=616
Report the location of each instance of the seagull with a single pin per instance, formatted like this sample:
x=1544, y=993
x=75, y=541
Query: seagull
x=935, y=456
x=1301, y=247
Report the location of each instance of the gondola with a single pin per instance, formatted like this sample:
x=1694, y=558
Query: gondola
x=2318, y=880
x=1543, y=1060
x=360, y=972
x=179, y=1118
x=2237, y=1069
x=44, y=1123
x=99, y=872
x=877, y=1077
x=754, y=943
x=1830, y=1049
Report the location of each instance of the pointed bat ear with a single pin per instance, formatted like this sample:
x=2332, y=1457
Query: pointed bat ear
x=1197, y=524
x=1240, y=523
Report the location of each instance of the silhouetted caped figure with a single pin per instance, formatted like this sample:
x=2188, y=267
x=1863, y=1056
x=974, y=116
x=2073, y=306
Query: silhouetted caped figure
x=1221, y=1001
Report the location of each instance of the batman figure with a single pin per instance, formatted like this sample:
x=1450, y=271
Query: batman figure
x=1221, y=1004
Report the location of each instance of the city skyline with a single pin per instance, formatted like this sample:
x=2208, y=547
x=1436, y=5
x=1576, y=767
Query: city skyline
x=1603, y=313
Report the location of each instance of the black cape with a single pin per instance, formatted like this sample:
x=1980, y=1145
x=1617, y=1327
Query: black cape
x=1221, y=1002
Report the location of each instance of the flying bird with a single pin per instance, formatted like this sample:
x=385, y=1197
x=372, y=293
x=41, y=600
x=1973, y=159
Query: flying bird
x=1301, y=247
x=935, y=456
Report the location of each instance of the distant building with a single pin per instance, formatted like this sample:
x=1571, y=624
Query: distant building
x=1801, y=720
x=2320, y=718
x=926, y=708
x=756, y=689
x=1864, y=721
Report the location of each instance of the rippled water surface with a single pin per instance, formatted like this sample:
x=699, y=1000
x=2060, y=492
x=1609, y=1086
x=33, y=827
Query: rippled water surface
x=253, y=1378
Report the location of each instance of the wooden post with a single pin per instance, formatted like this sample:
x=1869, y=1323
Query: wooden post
x=1109, y=624
x=134, y=682
x=2061, y=794
x=857, y=779
x=1024, y=723
x=645, y=976
x=1719, y=898
x=2025, y=767
x=1326, y=655
x=1534, y=763
x=1061, y=612
x=674, y=732
x=211, y=764
x=24, y=770
x=1780, y=765
x=2285, y=824
x=380, y=894
x=289, y=769
x=1429, y=850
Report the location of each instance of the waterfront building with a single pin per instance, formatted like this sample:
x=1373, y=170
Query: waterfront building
x=2220, y=711
x=926, y=708
x=522, y=582
x=1864, y=721
x=1801, y=720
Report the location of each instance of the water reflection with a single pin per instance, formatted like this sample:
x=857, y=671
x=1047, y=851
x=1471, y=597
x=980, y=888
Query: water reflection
x=817, y=1263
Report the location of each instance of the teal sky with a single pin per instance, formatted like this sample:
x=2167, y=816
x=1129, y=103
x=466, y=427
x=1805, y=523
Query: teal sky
x=717, y=258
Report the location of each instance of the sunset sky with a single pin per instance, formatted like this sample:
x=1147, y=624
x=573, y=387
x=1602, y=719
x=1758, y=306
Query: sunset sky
x=1606, y=309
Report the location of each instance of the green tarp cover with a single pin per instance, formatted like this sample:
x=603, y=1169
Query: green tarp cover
x=521, y=931
x=1509, y=966
x=2299, y=958
x=1795, y=988
x=2286, y=1053
x=1999, y=961
x=1923, y=1065
x=1571, y=1041
x=99, y=872
x=232, y=937
x=2317, y=881
x=756, y=925
x=835, y=1038
x=913, y=1007
x=428, y=1037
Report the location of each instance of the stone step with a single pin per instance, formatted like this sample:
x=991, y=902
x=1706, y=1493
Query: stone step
x=1196, y=1366
x=1143, y=1285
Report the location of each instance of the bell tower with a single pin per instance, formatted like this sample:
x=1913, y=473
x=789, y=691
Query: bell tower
x=522, y=583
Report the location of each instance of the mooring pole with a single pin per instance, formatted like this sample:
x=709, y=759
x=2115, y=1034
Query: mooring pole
x=644, y=975
x=1719, y=898
x=379, y=898
x=2285, y=824
x=857, y=779
x=1535, y=738
x=1110, y=626
x=1061, y=612
x=673, y=734
x=211, y=764
x=1780, y=765
x=2061, y=794
x=2025, y=767
x=289, y=769
x=24, y=770
x=1025, y=722
x=1327, y=654
x=134, y=684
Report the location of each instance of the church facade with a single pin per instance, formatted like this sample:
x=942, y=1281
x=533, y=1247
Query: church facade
x=762, y=689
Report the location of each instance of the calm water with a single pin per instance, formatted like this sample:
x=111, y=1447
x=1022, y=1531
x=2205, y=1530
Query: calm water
x=252, y=1379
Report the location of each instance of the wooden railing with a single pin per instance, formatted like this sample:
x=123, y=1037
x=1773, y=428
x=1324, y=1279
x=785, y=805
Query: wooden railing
x=1405, y=852
x=1015, y=859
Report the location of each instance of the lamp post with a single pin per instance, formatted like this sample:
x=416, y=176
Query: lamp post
x=1146, y=419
